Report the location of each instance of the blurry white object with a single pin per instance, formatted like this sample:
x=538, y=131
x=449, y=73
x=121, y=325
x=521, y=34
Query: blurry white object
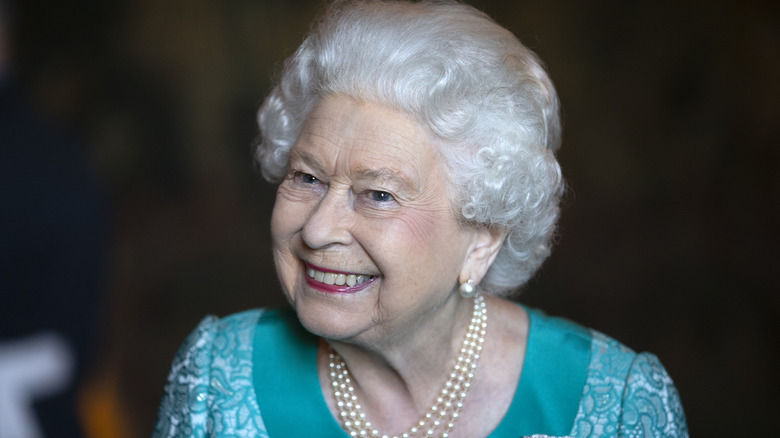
x=30, y=368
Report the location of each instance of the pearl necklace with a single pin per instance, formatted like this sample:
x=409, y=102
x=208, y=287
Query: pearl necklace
x=446, y=408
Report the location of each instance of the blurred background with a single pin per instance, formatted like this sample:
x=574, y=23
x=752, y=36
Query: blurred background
x=669, y=234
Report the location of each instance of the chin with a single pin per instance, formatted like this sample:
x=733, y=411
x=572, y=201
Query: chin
x=330, y=319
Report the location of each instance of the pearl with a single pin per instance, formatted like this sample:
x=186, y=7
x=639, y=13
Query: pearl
x=446, y=407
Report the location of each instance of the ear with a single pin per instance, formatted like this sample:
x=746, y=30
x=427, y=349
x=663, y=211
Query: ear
x=481, y=253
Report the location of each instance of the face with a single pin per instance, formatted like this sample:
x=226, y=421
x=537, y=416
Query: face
x=365, y=241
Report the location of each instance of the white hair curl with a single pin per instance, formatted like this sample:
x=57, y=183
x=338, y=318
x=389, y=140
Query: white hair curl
x=463, y=77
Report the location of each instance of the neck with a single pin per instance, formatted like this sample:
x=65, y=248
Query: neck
x=400, y=376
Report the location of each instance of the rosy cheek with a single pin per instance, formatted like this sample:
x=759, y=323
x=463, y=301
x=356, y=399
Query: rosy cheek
x=420, y=226
x=423, y=230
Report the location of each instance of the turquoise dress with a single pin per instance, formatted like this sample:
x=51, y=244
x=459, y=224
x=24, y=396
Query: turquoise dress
x=254, y=374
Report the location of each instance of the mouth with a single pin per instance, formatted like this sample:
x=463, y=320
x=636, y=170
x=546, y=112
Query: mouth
x=328, y=280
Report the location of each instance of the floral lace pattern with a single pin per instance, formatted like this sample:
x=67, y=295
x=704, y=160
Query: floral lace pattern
x=627, y=395
x=210, y=390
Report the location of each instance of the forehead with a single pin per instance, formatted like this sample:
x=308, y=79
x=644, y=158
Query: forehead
x=364, y=137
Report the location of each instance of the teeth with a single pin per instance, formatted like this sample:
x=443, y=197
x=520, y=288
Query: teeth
x=330, y=278
x=337, y=279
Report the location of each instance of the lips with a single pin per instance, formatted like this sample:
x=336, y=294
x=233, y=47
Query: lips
x=337, y=281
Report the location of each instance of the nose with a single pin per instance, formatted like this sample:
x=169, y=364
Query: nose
x=328, y=222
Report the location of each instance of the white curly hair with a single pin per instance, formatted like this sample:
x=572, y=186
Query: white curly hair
x=470, y=82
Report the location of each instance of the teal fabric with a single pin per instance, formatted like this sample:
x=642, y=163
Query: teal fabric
x=575, y=382
x=210, y=390
x=554, y=373
x=285, y=365
x=550, y=386
x=546, y=402
x=627, y=395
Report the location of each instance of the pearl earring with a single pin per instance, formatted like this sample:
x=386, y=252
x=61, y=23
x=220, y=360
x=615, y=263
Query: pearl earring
x=467, y=289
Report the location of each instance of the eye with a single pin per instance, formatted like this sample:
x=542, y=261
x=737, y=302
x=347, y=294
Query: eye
x=306, y=178
x=380, y=196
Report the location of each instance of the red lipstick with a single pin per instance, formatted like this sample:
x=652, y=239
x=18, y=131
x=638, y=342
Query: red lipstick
x=335, y=288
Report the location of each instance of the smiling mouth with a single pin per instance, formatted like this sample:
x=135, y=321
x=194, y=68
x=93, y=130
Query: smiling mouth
x=337, y=278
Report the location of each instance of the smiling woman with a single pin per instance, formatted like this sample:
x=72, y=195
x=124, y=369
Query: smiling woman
x=365, y=197
x=413, y=144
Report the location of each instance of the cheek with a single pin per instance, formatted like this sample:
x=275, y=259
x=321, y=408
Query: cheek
x=284, y=227
x=420, y=229
x=418, y=253
x=431, y=224
x=277, y=224
x=286, y=217
x=418, y=232
x=287, y=270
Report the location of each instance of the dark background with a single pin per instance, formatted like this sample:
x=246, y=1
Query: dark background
x=668, y=239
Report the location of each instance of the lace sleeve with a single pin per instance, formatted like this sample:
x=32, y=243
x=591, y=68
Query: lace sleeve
x=651, y=403
x=210, y=390
x=183, y=408
x=627, y=395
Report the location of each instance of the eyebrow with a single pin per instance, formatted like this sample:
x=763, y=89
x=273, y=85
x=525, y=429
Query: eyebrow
x=307, y=158
x=385, y=174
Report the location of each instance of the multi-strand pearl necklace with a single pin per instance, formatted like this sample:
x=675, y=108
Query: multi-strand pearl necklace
x=446, y=408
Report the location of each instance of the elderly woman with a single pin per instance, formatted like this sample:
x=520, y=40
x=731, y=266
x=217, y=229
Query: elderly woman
x=413, y=144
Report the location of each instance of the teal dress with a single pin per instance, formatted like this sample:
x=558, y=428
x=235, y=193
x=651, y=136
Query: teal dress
x=254, y=374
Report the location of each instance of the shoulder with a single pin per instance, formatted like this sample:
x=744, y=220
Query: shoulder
x=216, y=338
x=556, y=327
x=209, y=388
x=234, y=323
x=627, y=394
